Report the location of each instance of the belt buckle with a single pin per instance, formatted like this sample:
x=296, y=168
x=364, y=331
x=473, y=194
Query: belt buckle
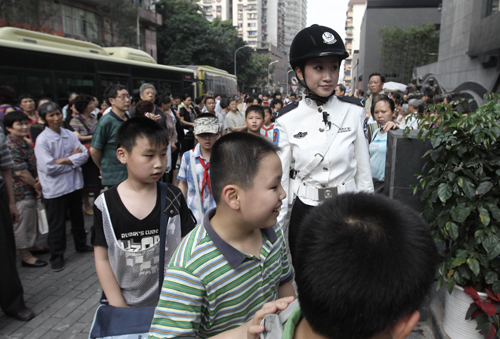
x=326, y=193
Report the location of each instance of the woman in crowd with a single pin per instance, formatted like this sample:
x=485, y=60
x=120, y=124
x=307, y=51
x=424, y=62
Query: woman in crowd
x=83, y=125
x=383, y=113
x=39, y=126
x=165, y=103
x=27, y=104
x=187, y=115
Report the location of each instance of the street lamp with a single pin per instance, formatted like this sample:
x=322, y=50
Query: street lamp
x=269, y=73
x=235, y=57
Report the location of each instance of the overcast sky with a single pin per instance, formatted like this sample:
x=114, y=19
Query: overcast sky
x=330, y=13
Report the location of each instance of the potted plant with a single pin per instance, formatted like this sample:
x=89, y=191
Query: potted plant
x=462, y=194
x=485, y=312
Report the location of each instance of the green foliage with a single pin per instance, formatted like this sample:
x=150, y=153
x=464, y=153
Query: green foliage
x=462, y=192
x=187, y=38
x=34, y=15
x=113, y=32
x=403, y=50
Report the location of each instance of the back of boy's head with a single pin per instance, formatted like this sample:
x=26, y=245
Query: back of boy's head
x=11, y=118
x=141, y=127
x=363, y=262
x=236, y=159
x=254, y=108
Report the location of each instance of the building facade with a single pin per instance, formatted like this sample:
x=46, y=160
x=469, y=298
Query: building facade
x=295, y=20
x=221, y=9
x=355, y=12
x=469, y=49
x=388, y=13
x=86, y=20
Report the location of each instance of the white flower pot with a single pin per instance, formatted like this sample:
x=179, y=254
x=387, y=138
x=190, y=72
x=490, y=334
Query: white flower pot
x=456, y=305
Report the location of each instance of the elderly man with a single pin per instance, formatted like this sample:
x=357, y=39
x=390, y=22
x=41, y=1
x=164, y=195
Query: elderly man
x=376, y=86
x=147, y=92
x=339, y=90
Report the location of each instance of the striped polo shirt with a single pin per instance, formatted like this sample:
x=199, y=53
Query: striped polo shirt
x=211, y=287
x=113, y=171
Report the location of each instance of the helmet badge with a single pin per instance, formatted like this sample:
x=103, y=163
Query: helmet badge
x=328, y=38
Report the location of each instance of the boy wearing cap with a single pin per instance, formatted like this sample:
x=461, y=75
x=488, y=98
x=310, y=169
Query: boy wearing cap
x=194, y=173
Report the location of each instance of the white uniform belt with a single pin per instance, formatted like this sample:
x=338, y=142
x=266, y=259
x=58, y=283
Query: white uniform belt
x=320, y=194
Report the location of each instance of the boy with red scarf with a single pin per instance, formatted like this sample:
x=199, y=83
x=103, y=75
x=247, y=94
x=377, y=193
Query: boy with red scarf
x=194, y=173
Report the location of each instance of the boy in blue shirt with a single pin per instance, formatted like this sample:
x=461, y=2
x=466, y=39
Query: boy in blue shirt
x=194, y=173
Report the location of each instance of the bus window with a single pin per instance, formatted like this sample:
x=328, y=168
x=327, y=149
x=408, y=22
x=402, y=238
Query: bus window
x=174, y=87
x=39, y=84
x=70, y=82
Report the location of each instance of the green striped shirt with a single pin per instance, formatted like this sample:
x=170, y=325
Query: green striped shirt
x=211, y=287
x=113, y=172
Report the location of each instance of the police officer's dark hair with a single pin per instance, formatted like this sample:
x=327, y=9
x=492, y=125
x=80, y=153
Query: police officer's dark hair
x=382, y=78
x=11, y=118
x=360, y=270
x=236, y=159
x=112, y=92
x=82, y=101
x=141, y=127
x=274, y=102
x=382, y=97
x=254, y=108
x=342, y=87
x=46, y=108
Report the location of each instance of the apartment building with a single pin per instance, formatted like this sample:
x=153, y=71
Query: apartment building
x=355, y=12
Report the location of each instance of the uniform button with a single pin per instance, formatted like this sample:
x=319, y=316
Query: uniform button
x=321, y=129
x=325, y=169
x=320, y=109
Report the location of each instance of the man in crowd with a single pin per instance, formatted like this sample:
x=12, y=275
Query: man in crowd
x=147, y=92
x=376, y=85
x=103, y=149
x=339, y=90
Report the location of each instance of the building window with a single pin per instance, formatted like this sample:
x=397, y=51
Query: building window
x=252, y=16
x=492, y=7
x=207, y=9
x=252, y=24
x=240, y=24
x=209, y=17
x=252, y=33
x=252, y=42
x=240, y=16
x=219, y=9
x=240, y=8
x=251, y=7
x=77, y=21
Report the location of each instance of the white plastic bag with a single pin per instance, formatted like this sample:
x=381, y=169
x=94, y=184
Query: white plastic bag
x=43, y=225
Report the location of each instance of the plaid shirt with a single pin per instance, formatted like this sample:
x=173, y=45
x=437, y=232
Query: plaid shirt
x=185, y=174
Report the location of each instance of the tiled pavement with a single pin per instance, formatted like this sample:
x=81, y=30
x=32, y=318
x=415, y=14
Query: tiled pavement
x=64, y=302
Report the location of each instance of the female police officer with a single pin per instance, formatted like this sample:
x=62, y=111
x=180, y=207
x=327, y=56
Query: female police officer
x=323, y=148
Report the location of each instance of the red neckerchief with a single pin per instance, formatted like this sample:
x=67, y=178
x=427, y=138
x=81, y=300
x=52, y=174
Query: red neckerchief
x=268, y=129
x=206, y=176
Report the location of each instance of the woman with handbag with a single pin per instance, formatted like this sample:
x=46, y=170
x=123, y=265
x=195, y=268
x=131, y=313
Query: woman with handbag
x=83, y=125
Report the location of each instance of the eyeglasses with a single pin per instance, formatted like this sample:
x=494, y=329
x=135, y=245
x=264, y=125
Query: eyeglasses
x=123, y=97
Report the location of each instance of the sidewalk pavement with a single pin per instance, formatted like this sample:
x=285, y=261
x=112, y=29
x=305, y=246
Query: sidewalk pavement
x=64, y=302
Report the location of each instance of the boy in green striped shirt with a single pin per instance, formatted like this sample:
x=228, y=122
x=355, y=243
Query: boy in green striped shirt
x=230, y=270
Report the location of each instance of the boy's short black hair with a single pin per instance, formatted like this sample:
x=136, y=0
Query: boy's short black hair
x=140, y=127
x=364, y=261
x=255, y=108
x=112, y=92
x=236, y=159
x=11, y=118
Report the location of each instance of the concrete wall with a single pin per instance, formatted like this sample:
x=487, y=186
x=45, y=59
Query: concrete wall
x=377, y=18
x=358, y=11
x=456, y=70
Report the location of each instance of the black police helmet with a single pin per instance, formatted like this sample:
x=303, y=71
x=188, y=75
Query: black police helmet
x=316, y=41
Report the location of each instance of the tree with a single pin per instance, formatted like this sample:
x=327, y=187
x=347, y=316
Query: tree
x=34, y=15
x=403, y=50
x=188, y=38
x=113, y=31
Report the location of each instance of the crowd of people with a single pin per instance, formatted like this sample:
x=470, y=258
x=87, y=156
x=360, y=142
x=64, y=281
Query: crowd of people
x=248, y=168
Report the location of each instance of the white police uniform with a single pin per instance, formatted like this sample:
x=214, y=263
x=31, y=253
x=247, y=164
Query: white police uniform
x=302, y=133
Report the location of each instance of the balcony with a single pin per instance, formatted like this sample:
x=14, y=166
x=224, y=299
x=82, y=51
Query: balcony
x=150, y=17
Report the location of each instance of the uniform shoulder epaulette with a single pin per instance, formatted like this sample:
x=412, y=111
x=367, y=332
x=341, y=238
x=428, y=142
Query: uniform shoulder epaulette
x=352, y=100
x=287, y=108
